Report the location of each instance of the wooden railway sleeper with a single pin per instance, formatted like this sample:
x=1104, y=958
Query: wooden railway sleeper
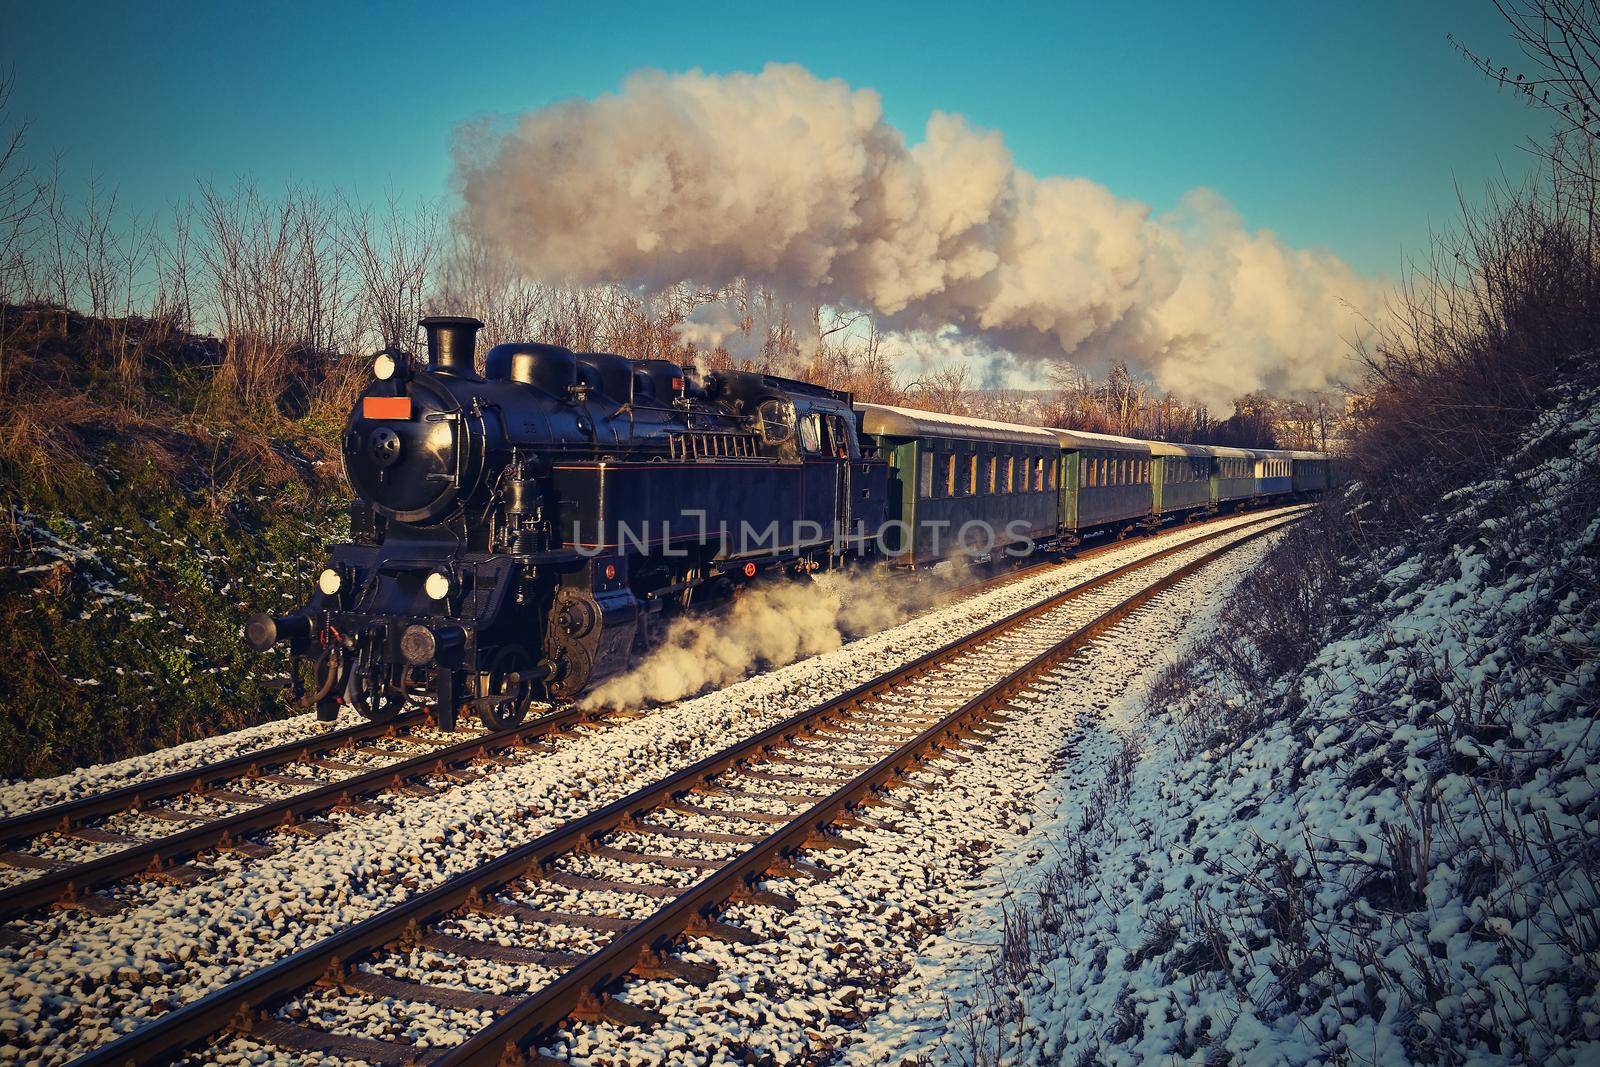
x=791, y=867
x=239, y=846
x=641, y=826
x=766, y=898
x=653, y=859
x=476, y=904
x=712, y=813
x=654, y=964
x=606, y=1008
x=704, y=926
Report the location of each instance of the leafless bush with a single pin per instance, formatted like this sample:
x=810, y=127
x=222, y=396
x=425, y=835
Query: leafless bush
x=277, y=279
x=394, y=257
x=1482, y=331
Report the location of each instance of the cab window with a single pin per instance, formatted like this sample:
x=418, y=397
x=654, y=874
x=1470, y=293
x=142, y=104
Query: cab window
x=811, y=433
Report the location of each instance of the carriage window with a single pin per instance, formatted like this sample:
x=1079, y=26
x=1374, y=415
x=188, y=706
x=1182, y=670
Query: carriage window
x=994, y=462
x=1038, y=473
x=1050, y=474
x=925, y=475
x=1011, y=475
x=948, y=467
x=972, y=474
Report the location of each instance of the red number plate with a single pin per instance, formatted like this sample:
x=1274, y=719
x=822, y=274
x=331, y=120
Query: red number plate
x=386, y=407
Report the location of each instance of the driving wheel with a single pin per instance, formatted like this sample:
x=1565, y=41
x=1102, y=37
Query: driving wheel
x=506, y=689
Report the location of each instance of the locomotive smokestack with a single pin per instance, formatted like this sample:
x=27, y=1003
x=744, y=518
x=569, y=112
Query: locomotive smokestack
x=451, y=339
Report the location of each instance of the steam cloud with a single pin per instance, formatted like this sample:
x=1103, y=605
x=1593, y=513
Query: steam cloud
x=770, y=624
x=798, y=183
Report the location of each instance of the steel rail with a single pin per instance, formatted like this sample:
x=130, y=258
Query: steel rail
x=70, y=814
x=66, y=816
x=69, y=883
x=984, y=585
x=234, y=1005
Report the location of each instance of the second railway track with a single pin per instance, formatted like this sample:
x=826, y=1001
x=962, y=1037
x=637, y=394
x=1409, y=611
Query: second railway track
x=609, y=894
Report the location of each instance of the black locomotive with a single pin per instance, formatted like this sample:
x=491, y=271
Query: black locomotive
x=518, y=534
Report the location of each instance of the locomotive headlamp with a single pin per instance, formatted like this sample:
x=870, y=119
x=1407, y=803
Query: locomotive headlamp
x=437, y=585
x=329, y=581
x=384, y=367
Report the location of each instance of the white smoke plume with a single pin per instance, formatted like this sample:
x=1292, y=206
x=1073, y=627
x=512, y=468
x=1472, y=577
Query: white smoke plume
x=798, y=183
x=769, y=624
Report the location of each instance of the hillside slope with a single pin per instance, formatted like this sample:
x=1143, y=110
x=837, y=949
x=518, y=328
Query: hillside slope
x=1390, y=855
x=142, y=521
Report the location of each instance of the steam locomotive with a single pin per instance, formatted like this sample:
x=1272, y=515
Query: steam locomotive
x=517, y=534
x=522, y=534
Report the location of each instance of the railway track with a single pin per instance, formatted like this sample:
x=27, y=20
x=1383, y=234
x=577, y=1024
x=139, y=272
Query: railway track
x=355, y=762
x=609, y=895
x=63, y=854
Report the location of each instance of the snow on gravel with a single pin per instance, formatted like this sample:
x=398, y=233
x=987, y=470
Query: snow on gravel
x=23, y=795
x=78, y=981
x=801, y=994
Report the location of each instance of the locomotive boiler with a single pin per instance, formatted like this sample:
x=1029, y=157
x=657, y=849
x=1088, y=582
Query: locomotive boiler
x=522, y=533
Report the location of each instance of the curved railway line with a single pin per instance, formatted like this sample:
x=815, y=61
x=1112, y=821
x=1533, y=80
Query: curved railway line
x=115, y=835
x=610, y=894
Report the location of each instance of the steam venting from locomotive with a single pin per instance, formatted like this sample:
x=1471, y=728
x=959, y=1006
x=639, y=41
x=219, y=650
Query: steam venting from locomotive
x=770, y=625
x=798, y=183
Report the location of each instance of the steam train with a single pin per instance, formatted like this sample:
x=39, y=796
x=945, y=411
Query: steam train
x=523, y=533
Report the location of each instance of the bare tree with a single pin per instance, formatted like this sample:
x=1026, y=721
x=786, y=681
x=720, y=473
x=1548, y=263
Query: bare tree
x=278, y=285
x=21, y=202
x=1560, y=41
x=395, y=257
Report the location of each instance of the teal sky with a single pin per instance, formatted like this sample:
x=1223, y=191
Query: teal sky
x=1347, y=127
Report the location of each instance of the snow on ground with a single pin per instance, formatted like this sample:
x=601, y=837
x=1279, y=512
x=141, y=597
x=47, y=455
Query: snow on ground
x=77, y=981
x=19, y=796
x=1392, y=857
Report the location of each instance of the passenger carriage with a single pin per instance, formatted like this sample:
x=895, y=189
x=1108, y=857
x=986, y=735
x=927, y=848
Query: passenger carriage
x=1274, y=472
x=1182, y=479
x=1311, y=471
x=948, y=474
x=1106, y=486
x=1233, y=475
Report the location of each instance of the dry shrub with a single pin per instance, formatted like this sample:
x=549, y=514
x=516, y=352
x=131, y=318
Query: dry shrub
x=1503, y=306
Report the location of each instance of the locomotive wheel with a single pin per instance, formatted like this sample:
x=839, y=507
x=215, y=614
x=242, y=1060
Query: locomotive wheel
x=572, y=668
x=506, y=690
x=370, y=694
